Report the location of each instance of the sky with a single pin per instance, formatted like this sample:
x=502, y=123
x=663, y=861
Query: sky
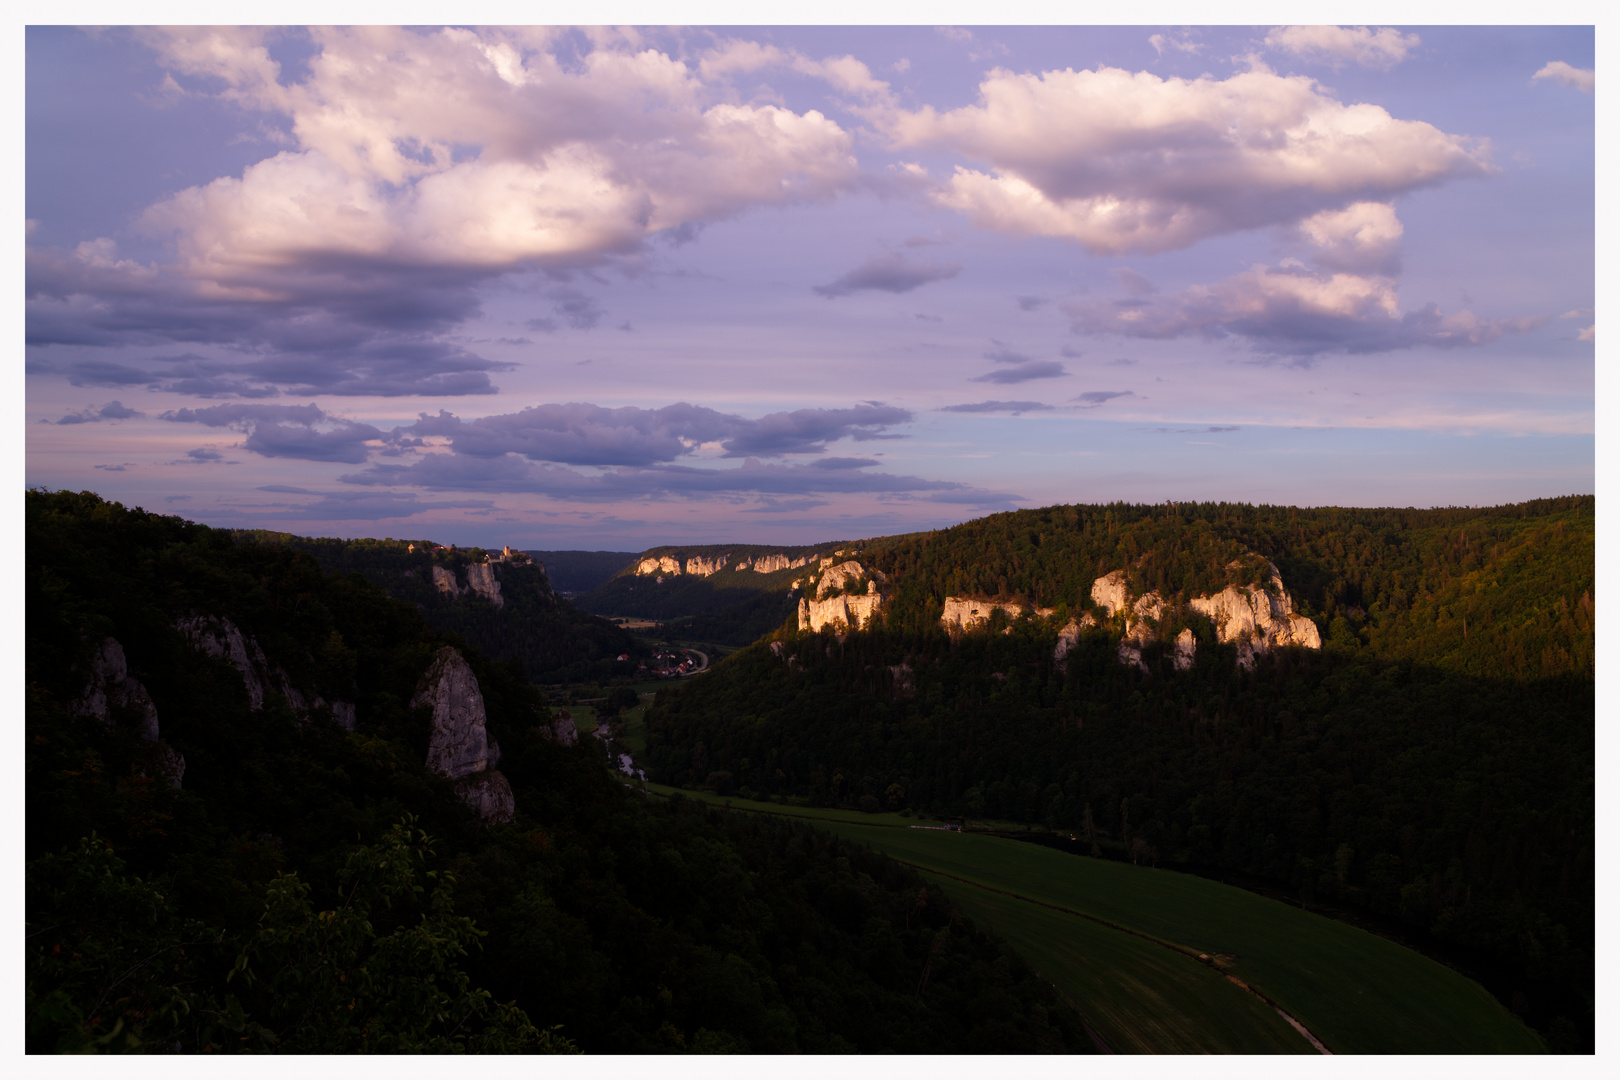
x=585, y=288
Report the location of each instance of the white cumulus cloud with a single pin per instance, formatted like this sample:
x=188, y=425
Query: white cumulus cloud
x=1381, y=49
x=1582, y=79
x=1129, y=162
x=482, y=150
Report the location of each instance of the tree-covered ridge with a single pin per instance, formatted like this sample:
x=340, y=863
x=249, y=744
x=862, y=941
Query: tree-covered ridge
x=287, y=898
x=554, y=641
x=1475, y=589
x=1433, y=764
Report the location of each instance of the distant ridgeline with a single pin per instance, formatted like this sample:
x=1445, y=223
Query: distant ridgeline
x=500, y=602
x=271, y=809
x=1390, y=709
x=727, y=593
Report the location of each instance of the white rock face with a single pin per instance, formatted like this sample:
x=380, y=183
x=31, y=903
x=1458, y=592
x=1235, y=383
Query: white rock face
x=481, y=580
x=664, y=565
x=1069, y=637
x=835, y=578
x=698, y=566
x=459, y=746
x=839, y=612
x=770, y=564
x=444, y=579
x=1257, y=620
x=1109, y=591
x=1186, y=650
x=964, y=613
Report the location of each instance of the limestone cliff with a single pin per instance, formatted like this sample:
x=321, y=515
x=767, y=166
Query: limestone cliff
x=481, y=580
x=839, y=612
x=663, y=565
x=1186, y=650
x=459, y=746
x=698, y=566
x=834, y=579
x=444, y=579
x=220, y=638
x=110, y=695
x=770, y=564
x=1257, y=618
x=1069, y=637
x=828, y=606
x=964, y=613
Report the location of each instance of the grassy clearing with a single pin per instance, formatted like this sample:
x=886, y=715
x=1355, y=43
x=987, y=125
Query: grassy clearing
x=1139, y=997
x=1355, y=991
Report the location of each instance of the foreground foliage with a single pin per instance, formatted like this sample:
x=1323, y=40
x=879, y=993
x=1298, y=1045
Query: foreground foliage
x=286, y=897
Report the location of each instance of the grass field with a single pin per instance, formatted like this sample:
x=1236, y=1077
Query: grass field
x=1355, y=991
x=1139, y=997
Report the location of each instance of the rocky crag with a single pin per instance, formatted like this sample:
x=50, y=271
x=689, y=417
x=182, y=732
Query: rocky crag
x=829, y=600
x=459, y=746
x=218, y=637
x=1254, y=618
x=481, y=580
x=112, y=697
x=704, y=566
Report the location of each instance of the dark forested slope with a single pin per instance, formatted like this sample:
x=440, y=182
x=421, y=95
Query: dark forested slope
x=553, y=641
x=1433, y=763
x=574, y=572
x=314, y=888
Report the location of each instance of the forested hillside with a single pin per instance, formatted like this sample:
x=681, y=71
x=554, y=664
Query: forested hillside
x=1432, y=763
x=554, y=641
x=214, y=871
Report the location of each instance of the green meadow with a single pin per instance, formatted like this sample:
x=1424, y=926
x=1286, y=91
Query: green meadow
x=1355, y=991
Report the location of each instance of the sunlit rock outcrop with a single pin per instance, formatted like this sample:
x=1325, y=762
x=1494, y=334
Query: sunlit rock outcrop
x=1069, y=637
x=698, y=566
x=770, y=564
x=459, y=746
x=836, y=578
x=1186, y=650
x=1257, y=619
x=964, y=613
x=663, y=565
x=838, y=612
